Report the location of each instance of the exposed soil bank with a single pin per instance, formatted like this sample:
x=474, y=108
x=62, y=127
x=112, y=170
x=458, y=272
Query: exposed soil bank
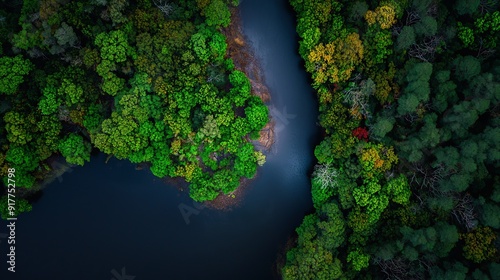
x=245, y=60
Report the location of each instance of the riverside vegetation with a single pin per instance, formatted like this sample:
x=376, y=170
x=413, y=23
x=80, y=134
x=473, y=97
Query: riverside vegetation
x=406, y=185
x=407, y=182
x=147, y=81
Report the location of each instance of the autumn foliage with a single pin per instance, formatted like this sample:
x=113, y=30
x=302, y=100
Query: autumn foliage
x=361, y=133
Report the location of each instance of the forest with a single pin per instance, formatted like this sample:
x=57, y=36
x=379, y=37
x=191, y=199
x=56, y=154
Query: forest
x=407, y=181
x=147, y=81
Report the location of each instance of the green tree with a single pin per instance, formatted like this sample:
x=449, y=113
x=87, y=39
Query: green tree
x=406, y=38
x=19, y=127
x=217, y=14
x=12, y=72
x=22, y=206
x=358, y=259
x=466, y=6
x=466, y=67
x=113, y=46
x=417, y=89
x=465, y=34
x=119, y=136
x=210, y=130
x=241, y=87
x=256, y=113
x=75, y=149
x=427, y=26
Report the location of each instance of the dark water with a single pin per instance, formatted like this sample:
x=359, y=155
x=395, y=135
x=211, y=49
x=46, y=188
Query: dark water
x=102, y=218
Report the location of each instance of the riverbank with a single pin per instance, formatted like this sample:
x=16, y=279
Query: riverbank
x=246, y=60
x=52, y=169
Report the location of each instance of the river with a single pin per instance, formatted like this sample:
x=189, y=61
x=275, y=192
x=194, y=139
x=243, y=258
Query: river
x=110, y=221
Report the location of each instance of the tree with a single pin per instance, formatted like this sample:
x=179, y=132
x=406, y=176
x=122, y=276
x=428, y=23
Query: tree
x=406, y=38
x=199, y=46
x=399, y=189
x=460, y=118
x=358, y=259
x=456, y=271
x=417, y=89
x=22, y=205
x=218, y=46
x=256, y=113
x=119, y=136
x=113, y=46
x=23, y=160
x=217, y=14
x=466, y=6
x=311, y=260
x=48, y=129
x=12, y=72
x=357, y=10
x=466, y=67
x=116, y=9
x=465, y=34
x=19, y=127
x=357, y=97
x=72, y=92
x=93, y=117
x=446, y=91
x=382, y=126
x=161, y=163
x=66, y=36
x=385, y=16
x=479, y=244
x=426, y=27
x=490, y=215
x=335, y=61
x=241, y=87
x=50, y=102
x=326, y=175
x=332, y=229
x=310, y=38
x=210, y=130
x=112, y=84
x=245, y=162
x=75, y=149
x=376, y=159
x=488, y=27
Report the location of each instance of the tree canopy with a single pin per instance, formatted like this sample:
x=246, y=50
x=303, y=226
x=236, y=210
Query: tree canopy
x=147, y=81
x=407, y=176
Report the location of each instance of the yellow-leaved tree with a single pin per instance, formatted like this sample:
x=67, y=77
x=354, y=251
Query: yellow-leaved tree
x=335, y=61
x=383, y=15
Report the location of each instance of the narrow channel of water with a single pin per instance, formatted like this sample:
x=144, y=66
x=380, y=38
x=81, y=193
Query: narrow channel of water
x=102, y=220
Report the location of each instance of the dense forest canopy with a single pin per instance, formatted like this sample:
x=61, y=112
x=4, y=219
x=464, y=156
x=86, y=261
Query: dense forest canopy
x=407, y=182
x=146, y=80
